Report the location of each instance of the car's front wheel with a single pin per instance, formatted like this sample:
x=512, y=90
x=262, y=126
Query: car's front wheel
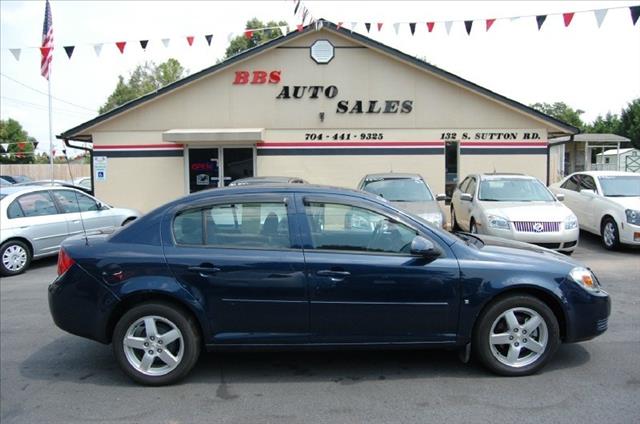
x=156, y=344
x=610, y=236
x=15, y=257
x=516, y=336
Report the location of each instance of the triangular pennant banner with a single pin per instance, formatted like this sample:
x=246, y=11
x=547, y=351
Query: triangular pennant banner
x=190, y=40
x=540, y=20
x=15, y=53
x=635, y=13
x=600, y=15
x=295, y=10
x=69, y=50
x=468, y=25
x=396, y=27
x=339, y=25
x=430, y=26
x=489, y=23
x=230, y=37
x=567, y=17
x=208, y=37
x=299, y=27
x=367, y=25
x=21, y=145
x=283, y=30
x=248, y=34
x=143, y=44
x=5, y=146
x=97, y=48
x=353, y=25
x=305, y=12
x=515, y=18
x=380, y=26
x=121, y=45
x=412, y=27
x=165, y=42
x=448, y=26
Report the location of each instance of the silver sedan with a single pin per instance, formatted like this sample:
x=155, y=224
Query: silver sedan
x=35, y=219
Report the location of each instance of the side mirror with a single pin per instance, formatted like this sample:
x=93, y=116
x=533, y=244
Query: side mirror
x=560, y=197
x=441, y=197
x=589, y=193
x=466, y=197
x=423, y=247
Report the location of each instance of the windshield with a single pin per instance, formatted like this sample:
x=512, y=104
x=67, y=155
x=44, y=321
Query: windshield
x=514, y=190
x=399, y=189
x=620, y=185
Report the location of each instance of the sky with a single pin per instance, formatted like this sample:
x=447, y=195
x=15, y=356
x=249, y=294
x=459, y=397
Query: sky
x=589, y=68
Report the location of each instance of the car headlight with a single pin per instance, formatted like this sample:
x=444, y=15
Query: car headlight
x=633, y=216
x=585, y=279
x=433, y=218
x=571, y=222
x=498, y=222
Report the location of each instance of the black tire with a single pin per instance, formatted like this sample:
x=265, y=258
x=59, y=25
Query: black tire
x=567, y=252
x=22, y=253
x=610, y=242
x=190, y=342
x=473, y=228
x=454, y=221
x=483, y=349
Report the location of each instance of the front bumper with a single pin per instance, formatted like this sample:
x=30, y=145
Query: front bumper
x=587, y=313
x=630, y=234
x=564, y=240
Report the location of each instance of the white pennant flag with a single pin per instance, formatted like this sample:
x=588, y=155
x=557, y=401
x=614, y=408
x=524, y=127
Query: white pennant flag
x=5, y=146
x=396, y=27
x=166, y=41
x=514, y=19
x=97, y=48
x=353, y=25
x=15, y=53
x=230, y=36
x=448, y=26
x=600, y=14
x=283, y=30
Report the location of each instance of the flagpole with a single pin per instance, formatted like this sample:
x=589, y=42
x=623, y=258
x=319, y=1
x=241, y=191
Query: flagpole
x=50, y=127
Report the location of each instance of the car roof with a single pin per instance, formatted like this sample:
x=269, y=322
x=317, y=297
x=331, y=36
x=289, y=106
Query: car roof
x=275, y=179
x=607, y=173
x=391, y=175
x=18, y=189
x=498, y=175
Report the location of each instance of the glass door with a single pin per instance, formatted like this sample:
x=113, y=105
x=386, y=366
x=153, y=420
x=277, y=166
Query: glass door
x=204, y=170
x=451, y=168
x=238, y=163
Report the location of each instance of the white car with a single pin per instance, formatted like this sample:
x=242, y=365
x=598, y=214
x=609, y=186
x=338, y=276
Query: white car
x=514, y=206
x=607, y=203
x=35, y=219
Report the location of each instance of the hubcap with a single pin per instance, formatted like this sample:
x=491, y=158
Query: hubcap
x=518, y=337
x=609, y=234
x=153, y=345
x=14, y=258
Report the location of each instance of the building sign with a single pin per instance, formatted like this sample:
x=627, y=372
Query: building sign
x=100, y=168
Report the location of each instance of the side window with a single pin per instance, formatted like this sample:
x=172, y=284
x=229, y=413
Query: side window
x=587, y=183
x=463, y=185
x=349, y=228
x=471, y=188
x=72, y=201
x=37, y=204
x=14, y=210
x=572, y=183
x=239, y=225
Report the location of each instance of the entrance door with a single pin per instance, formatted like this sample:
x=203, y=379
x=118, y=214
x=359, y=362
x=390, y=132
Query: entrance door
x=451, y=167
x=238, y=163
x=204, y=170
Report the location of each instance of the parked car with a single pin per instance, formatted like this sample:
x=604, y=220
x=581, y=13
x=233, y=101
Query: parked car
x=407, y=191
x=54, y=183
x=607, y=203
x=15, y=179
x=217, y=269
x=84, y=182
x=513, y=206
x=267, y=180
x=5, y=182
x=34, y=220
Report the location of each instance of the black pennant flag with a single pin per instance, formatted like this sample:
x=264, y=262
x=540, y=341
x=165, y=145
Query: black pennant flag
x=412, y=27
x=69, y=50
x=367, y=25
x=540, y=20
x=295, y=11
x=143, y=44
x=208, y=37
x=467, y=25
x=635, y=13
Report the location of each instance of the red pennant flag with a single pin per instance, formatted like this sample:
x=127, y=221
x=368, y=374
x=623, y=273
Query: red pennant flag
x=430, y=26
x=380, y=26
x=21, y=145
x=489, y=23
x=248, y=33
x=567, y=18
x=121, y=45
x=339, y=25
x=190, y=39
x=300, y=27
x=45, y=51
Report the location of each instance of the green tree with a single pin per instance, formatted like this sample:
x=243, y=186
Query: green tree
x=242, y=43
x=144, y=79
x=609, y=124
x=630, y=122
x=20, y=145
x=563, y=112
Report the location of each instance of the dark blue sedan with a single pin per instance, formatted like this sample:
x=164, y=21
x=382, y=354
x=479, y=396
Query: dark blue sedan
x=308, y=266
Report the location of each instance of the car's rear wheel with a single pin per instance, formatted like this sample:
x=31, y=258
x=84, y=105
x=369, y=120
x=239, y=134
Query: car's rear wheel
x=15, y=257
x=156, y=344
x=610, y=236
x=516, y=336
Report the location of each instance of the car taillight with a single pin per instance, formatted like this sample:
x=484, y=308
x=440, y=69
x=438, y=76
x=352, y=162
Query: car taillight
x=64, y=262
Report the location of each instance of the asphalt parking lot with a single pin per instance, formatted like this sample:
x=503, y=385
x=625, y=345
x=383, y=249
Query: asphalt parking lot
x=47, y=375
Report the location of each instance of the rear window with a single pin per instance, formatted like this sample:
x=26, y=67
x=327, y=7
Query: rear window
x=399, y=189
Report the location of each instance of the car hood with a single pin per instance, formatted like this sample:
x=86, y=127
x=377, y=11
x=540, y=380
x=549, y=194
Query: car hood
x=626, y=202
x=419, y=208
x=528, y=211
x=516, y=251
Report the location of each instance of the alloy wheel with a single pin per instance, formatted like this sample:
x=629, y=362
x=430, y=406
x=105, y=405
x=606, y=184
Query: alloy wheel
x=153, y=345
x=518, y=337
x=14, y=258
x=609, y=234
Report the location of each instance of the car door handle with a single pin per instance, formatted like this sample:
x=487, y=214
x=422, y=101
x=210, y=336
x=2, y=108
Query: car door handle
x=204, y=269
x=335, y=275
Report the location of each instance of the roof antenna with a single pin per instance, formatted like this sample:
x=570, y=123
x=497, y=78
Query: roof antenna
x=75, y=193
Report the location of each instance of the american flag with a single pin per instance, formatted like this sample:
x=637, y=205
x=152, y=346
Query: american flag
x=47, y=42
